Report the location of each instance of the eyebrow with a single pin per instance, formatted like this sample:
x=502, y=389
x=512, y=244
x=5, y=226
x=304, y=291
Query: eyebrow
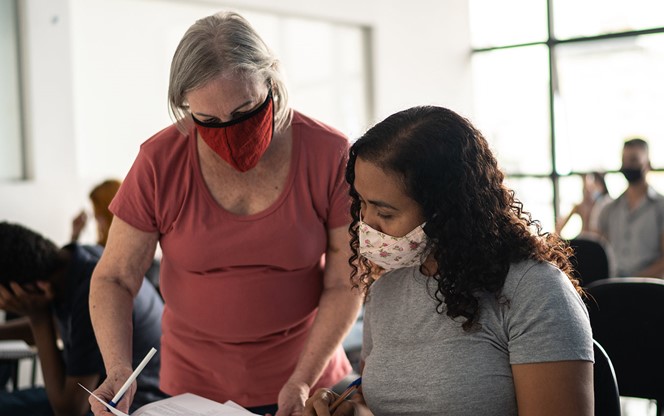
x=232, y=112
x=381, y=204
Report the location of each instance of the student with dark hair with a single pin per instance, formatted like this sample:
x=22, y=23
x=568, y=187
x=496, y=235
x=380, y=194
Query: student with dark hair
x=50, y=287
x=634, y=223
x=470, y=309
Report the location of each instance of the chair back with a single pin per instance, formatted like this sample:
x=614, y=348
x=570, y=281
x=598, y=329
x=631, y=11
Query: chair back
x=627, y=319
x=592, y=259
x=607, y=398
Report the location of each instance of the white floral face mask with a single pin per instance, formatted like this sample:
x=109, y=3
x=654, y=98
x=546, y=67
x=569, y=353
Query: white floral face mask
x=392, y=253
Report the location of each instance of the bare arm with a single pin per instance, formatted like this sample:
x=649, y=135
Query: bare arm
x=63, y=392
x=18, y=328
x=562, y=222
x=115, y=281
x=656, y=268
x=556, y=388
x=338, y=308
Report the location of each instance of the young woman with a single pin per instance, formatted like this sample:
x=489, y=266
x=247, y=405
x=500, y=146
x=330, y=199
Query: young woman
x=471, y=310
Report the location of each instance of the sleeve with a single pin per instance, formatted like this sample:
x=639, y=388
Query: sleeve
x=135, y=201
x=339, y=213
x=546, y=319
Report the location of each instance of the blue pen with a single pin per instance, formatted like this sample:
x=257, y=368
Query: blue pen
x=349, y=390
x=118, y=396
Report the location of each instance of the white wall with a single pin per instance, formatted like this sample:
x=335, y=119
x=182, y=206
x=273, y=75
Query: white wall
x=420, y=56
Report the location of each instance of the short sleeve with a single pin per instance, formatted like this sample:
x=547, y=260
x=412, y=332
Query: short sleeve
x=339, y=195
x=135, y=201
x=546, y=319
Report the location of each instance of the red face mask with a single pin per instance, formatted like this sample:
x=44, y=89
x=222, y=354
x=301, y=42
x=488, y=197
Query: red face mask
x=243, y=141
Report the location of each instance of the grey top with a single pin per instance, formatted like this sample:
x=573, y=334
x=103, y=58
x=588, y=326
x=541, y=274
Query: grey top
x=635, y=236
x=419, y=362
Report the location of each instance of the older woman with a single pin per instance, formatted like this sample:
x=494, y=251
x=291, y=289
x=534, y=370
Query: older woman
x=248, y=201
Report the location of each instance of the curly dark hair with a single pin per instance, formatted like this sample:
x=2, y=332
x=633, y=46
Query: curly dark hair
x=26, y=256
x=474, y=224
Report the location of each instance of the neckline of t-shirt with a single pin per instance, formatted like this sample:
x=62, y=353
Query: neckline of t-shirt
x=290, y=179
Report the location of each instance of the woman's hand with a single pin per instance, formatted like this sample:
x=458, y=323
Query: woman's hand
x=319, y=404
x=291, y=398
x=107, y=390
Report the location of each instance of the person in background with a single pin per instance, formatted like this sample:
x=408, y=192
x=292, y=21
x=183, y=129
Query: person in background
x=248, y=202
x=634, y=223
x=101, y=197
x=470, y=309
x=595, y=197
x=50, y=287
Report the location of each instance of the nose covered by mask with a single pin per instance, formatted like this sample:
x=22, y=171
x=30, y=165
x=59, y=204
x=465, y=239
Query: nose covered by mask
x=390, y=252
x=243, y=141
x=632, y=174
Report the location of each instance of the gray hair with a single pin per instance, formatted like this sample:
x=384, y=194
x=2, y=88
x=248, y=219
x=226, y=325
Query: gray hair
x=224, y=43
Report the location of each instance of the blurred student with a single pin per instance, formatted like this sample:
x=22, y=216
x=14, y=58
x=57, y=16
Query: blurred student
x=474, y=314
x=50, y=287
x=595, y=197
x=634, y=223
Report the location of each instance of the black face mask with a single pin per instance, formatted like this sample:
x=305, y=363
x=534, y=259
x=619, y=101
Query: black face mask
x=632, y=174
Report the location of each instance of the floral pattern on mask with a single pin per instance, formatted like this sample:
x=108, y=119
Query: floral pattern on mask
x=391, y=252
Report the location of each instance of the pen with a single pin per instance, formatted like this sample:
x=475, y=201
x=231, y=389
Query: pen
x=349, y=390
x=132, y=377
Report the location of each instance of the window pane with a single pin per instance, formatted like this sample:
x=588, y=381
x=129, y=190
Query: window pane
x=11, y=160
x=570, y=193
x=489, y=20
x=326, y=68
x=536, y=194
x=571, y=17
x=609, y=91
x=512, y=107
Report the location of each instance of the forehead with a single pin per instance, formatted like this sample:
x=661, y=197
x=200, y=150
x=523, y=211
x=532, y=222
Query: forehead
x=227, y=87
x=634, y=153
x=375, y=183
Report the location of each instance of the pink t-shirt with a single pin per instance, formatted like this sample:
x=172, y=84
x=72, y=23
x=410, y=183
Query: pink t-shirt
x=241, y=292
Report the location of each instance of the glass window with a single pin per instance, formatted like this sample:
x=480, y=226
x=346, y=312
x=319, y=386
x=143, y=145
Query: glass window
x=511, y=107
x=490, y=21
x=537, y=198
x=11, y=142
x=574, y=18
x=610, y=90
x=571, y=193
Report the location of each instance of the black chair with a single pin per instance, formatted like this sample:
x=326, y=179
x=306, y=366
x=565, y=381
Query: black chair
x=607, y=398
x=627, y=319
x=592, y=259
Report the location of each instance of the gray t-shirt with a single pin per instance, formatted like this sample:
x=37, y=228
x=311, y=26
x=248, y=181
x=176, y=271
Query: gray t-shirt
x=635, y=235
x=419, y=362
